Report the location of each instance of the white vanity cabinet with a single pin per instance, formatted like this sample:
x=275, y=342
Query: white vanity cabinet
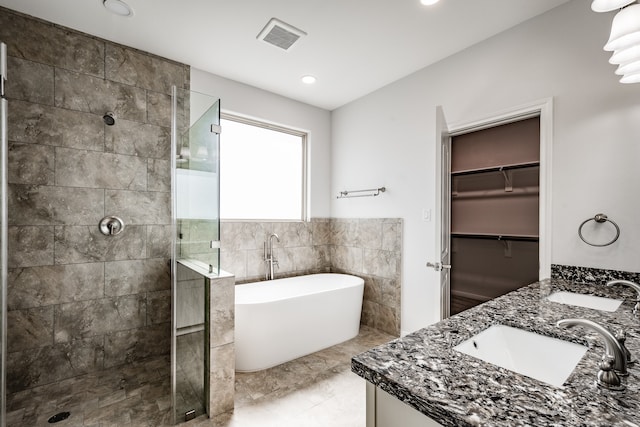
x=384, y=410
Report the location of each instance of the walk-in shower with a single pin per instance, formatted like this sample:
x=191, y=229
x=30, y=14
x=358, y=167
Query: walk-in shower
x=89, y=227
x=196, y=225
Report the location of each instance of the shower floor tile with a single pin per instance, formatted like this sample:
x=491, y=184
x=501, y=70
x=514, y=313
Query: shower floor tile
x=315, y=390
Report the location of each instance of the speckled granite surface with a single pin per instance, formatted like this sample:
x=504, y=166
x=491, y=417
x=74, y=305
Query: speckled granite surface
x=454, y=389
x=590, y=275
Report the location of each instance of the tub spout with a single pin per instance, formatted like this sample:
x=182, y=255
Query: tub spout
x=269, y=257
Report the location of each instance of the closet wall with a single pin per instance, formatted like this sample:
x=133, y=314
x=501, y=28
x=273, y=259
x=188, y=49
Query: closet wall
x=494, y=211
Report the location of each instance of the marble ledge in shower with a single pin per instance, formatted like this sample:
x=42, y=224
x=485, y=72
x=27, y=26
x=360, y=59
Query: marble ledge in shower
x=202, y=269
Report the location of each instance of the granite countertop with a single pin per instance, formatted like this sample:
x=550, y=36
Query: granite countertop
x=454, y=389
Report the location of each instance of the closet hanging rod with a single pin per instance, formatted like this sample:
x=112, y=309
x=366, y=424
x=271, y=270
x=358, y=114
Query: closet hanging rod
x=346, y=194
x=496, y=237
x=523, y=165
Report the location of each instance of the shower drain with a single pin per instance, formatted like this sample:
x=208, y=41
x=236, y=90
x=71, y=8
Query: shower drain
x=59, y=417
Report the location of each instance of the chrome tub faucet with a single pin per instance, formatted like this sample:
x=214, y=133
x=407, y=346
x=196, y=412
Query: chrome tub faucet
x=269, y=257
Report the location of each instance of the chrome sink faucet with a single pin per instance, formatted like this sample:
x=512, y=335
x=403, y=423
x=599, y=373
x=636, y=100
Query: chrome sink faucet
x=614, y=362
x=269, y=257
x=633, y=285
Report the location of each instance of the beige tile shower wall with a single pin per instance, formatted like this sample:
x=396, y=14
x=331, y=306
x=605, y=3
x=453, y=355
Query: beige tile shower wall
x=368, y=248
x=80, y=301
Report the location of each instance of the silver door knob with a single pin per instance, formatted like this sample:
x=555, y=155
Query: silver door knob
x=438, y=266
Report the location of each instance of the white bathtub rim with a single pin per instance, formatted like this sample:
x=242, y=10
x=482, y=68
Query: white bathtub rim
x=244, y=300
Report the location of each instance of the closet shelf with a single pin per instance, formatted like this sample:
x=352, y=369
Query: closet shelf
x=496, y=168
x=490, y=236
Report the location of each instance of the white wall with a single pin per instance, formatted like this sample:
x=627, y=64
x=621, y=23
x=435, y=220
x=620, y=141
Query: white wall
x=248, y=101
x=388, y=138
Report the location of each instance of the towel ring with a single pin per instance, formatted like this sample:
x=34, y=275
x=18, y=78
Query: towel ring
x=599, y=218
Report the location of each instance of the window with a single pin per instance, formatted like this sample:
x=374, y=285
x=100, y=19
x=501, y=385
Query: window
x=262, y=171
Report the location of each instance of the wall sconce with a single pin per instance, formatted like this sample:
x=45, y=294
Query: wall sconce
x=624, y=40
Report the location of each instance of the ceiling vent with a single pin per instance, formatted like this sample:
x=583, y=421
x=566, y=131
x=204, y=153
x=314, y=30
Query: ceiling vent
x=280, y=34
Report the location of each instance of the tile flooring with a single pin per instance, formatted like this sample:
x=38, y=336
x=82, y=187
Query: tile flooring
x=315, y=390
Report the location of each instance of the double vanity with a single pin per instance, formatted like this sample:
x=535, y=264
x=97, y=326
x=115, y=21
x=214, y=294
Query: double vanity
x=507, y=362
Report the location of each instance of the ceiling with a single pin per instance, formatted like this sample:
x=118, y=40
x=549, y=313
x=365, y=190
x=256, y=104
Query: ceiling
x=353, y=47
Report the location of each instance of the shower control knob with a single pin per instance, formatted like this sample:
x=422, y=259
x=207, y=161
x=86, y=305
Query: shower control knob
x=111, y=225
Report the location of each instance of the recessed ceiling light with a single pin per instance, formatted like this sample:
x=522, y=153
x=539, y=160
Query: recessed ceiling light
x=309, y=80
x=429, y=2
x=118, y=7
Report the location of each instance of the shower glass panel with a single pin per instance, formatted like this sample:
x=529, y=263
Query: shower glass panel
x=197, y=180
x=196, y=219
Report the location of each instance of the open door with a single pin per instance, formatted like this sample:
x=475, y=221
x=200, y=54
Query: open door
x=443, y=211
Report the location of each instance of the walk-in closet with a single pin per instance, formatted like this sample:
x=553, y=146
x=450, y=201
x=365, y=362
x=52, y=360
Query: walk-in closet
x=495, y=191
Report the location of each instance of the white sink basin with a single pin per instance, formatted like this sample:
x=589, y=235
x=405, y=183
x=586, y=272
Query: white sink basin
x=543, y=358
x=588, y=301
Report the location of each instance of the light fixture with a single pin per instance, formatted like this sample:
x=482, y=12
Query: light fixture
x=609, y=5
x=628, y=68
x=625, y=29
x=118, y=7
x=623, y=56
x=431, y=2
x=631, y=78
x=624, y=39
x=308, y=79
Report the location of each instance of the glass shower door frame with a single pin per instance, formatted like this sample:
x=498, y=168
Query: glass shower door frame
x=174, y=263
x=3, y=232
x=195, y=235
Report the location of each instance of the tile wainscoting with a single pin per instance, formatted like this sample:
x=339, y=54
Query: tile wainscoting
x=368, y=248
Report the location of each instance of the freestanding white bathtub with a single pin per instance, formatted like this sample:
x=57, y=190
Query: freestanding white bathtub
x=283, y=319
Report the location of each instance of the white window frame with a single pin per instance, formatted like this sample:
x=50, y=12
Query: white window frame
x=304, y=136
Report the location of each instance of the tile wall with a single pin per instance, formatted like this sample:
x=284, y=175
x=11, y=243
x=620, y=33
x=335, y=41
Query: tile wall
x=303, y=248
x=80, y=301
x=368, y=248
x=372, y=249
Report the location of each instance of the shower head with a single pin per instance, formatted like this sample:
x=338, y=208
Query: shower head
x=109, y=118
